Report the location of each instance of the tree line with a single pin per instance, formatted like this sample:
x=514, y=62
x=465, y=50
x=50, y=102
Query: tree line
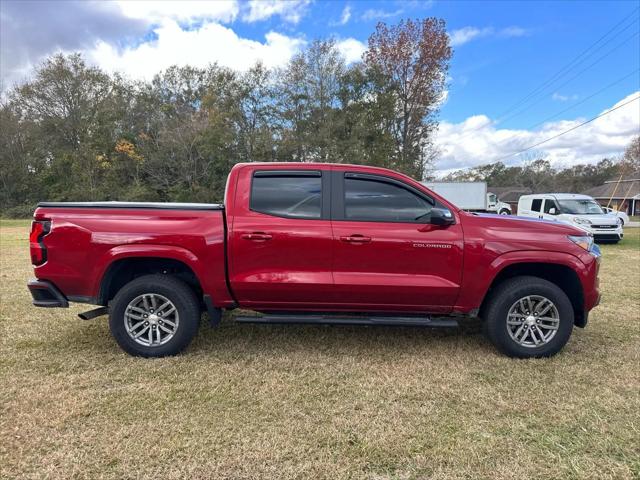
x=538, y=174
x=76, y=132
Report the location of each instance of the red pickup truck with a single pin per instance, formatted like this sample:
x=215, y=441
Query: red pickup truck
x=314, y=243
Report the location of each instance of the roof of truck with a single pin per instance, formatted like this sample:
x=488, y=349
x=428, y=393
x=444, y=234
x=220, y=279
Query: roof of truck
x=558, y=196
x=314, y=165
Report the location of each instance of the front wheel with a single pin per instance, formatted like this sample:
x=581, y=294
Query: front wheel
x=529, y=317
x=504, y=211
x=154, y=316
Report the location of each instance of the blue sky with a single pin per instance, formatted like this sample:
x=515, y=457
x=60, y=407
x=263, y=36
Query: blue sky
x=492, y=71
x=502, y=51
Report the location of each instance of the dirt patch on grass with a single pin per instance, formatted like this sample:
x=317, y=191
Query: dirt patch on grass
x=315, y=402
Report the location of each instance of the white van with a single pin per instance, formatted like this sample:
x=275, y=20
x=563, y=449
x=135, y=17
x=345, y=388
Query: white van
x=578, y=210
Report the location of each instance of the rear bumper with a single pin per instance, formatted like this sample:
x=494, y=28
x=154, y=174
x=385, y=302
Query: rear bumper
x=46, y=294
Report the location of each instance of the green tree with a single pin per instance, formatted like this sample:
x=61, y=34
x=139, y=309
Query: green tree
x=68, y=105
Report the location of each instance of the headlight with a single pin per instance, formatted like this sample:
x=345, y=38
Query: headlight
x=581, y=221
x=583, y=241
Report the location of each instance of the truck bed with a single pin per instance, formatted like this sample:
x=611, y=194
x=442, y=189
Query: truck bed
x=89, y=239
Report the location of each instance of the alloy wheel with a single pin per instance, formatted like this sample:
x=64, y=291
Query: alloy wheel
x=151, y=319
x=533, y=321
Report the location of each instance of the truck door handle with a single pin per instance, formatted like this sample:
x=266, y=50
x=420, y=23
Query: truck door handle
x=357, y=238
x=257, y=236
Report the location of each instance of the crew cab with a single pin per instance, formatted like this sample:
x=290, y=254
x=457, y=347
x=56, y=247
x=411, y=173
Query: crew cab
x=314, y=243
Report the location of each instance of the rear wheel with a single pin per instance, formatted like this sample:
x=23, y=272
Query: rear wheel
x=154, y=316
x=529, y=317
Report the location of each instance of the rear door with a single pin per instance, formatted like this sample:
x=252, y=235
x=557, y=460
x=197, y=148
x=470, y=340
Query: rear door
x=386, y=254
x=280, y=247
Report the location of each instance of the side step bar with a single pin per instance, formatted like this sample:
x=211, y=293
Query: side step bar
x=91, y=314
x=348, y=320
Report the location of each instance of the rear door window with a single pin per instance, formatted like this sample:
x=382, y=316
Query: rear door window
x=296, y=195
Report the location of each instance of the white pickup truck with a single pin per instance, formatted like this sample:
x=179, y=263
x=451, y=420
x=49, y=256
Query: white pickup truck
x=470, y=196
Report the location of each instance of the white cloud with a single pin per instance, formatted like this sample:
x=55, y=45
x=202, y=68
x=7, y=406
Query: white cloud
x=344, y=17
x=463, y=35
x=563, y=98
x=376, y=14
x=290, y=11
x=220, y=10
x=477, y=141
x=444, y=98
x=466, y=34
x=513, y=32
x=212, y=42
x=351, y=49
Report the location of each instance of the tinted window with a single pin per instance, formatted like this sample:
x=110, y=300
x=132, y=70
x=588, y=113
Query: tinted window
x=548, y=205
x=379, y=201
x=536, y=204
x=287, y=196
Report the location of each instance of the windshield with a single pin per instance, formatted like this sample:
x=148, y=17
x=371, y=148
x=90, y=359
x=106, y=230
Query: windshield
x=580, y=207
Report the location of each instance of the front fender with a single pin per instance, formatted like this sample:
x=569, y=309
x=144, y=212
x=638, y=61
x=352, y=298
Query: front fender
x=475, y=285
x=533, y=256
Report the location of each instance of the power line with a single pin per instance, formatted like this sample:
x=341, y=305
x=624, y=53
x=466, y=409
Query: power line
x=562, y=72
x=567, y=131
x=577, y=60
x=575, y=76
x=621, y=79
x=469, y=133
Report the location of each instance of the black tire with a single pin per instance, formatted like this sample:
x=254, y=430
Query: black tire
x=504, y=211
x=179, y=293
x=509, y=292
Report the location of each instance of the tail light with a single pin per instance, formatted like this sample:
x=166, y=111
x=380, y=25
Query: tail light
x=39, y=228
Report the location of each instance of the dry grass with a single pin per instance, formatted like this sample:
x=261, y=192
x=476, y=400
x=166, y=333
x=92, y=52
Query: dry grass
x=314, y=402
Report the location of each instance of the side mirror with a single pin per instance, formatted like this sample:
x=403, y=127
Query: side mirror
x=441, y=217
x=553, y=211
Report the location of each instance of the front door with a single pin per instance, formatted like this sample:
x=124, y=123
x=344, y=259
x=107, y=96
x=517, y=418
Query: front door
x=386, y=254
x=550, y=210
x=280, y=242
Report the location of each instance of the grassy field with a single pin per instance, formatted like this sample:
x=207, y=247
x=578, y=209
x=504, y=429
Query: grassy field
x=250, y=402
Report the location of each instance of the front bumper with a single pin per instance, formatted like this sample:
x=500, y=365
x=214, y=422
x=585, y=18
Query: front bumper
x=606, y=233
x=607, y=237
x=46, y=294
